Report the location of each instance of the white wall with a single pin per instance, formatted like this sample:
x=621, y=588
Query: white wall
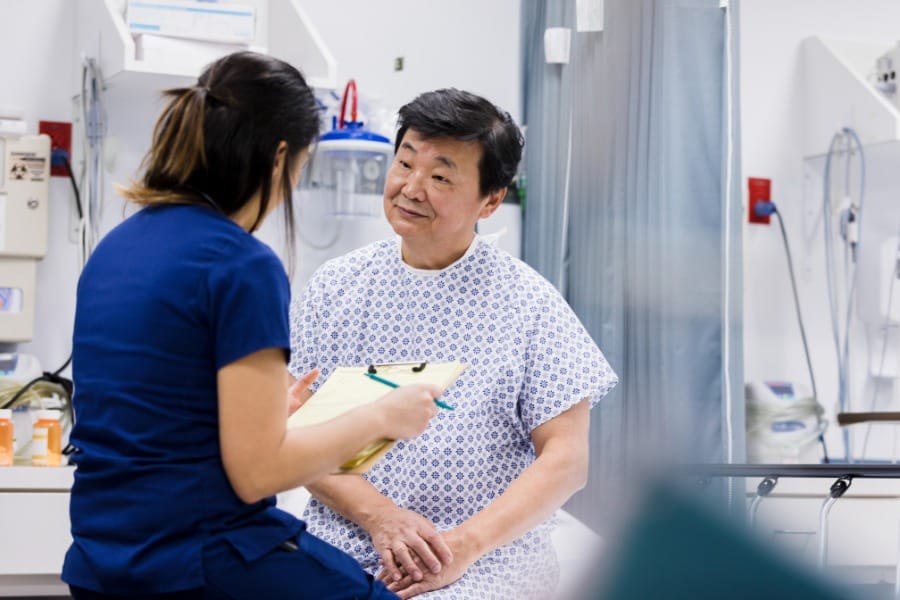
x=467, y=44
x=772, y=122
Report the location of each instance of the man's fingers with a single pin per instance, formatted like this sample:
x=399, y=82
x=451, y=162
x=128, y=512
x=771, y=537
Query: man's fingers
x=404, y=559
x=401, y=584
x=441, y=551
x=390, y=572
x=425, y=556
x=413, y=590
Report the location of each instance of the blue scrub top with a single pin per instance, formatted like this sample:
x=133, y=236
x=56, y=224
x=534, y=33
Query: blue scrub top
x=170, y=296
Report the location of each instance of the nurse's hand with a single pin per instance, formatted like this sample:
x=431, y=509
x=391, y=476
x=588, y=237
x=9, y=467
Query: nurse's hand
x=406, y=411
x=407, y=544
x=299, y=393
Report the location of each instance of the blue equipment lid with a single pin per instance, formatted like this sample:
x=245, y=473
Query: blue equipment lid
x=353, y=131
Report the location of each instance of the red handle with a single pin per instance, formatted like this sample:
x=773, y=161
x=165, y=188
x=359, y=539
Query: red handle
x=350, y=84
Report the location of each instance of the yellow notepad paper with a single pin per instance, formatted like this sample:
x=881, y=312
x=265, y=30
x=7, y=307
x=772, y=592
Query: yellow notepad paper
x=350, y=387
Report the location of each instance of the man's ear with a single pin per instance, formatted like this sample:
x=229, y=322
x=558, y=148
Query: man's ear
x=494, y=200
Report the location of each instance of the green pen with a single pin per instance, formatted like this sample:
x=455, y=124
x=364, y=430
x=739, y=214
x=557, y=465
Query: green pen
x=389, y=383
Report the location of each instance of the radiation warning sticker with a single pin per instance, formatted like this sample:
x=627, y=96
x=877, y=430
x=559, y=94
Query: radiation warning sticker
x=27, y=166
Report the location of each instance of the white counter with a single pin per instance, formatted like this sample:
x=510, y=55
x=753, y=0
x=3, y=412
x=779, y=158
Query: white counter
x=34, y=529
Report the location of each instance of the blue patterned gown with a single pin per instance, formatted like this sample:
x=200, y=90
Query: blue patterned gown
x=529, y=359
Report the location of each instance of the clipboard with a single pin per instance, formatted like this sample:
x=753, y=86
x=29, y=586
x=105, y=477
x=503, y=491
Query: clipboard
x=351, y=387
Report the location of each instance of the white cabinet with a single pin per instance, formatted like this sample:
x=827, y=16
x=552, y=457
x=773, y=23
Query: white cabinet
x=283, y=30
x=34, y=529
x=863, y=525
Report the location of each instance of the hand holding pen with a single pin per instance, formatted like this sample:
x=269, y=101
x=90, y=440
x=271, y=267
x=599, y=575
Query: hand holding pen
x=390, y=383
x=407, y=410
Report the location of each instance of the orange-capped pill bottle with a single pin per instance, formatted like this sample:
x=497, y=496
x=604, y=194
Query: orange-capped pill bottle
x=46, y=440
x=7, y=449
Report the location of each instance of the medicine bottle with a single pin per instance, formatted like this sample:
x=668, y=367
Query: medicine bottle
x=7, y=451
x=46, y=440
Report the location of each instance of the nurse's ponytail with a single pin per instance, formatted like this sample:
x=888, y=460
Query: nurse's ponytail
x=177, y=151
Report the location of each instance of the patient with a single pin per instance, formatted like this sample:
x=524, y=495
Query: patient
x=464, y=510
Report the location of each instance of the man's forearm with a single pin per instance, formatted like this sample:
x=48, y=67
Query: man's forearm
x=530, y=500
x=559, y=470
x=351, y=496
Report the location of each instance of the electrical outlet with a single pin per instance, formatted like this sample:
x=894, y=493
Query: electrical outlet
x=60, y=139
x=759, y=190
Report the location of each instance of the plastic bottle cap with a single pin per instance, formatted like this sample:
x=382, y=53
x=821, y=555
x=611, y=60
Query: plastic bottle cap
x=53, y=415
x=5, y=413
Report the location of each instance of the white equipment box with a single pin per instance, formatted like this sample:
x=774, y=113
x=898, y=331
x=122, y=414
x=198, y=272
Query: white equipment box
x=223, y=22
x=24, y=193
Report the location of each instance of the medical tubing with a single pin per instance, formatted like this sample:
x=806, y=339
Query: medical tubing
x=48, y=383
x=11, y=402
x=351, y=85
x=851, y=292
x=64, y=365
x=94, y=122
x=74, y=186
x=790, y=265
x=842, y=347
x=862, y=186
x=809, y=367
x=829, y=263
x=829, y=273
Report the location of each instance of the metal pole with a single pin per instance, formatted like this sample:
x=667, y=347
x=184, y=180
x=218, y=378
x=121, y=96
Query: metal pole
x=764, y=488
x=838, y=488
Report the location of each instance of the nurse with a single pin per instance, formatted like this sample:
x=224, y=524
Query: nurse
x=180, y=350
x=465, y=510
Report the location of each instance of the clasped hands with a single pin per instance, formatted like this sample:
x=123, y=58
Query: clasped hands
x=415, y=557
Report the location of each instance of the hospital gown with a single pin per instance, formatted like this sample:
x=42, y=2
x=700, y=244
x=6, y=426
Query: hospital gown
x=529, y=359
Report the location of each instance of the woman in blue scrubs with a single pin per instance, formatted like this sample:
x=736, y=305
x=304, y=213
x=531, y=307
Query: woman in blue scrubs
x=181, y=344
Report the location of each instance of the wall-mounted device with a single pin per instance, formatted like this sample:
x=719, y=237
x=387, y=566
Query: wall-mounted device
x=24, y=190
x=886, y=72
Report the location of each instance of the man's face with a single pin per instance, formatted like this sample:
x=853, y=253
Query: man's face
x=431, y=194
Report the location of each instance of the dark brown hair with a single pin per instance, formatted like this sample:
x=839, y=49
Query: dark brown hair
x=464, y=116
x=215, y=142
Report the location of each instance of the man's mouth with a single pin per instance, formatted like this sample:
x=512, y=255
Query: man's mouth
x=408, y=212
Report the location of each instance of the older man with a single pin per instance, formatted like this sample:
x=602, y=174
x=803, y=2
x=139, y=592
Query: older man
x=464, y=510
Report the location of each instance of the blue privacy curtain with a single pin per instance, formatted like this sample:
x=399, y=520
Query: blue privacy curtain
x=627, y=213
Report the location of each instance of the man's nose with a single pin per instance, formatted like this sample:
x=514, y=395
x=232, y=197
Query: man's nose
x=413, y=188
